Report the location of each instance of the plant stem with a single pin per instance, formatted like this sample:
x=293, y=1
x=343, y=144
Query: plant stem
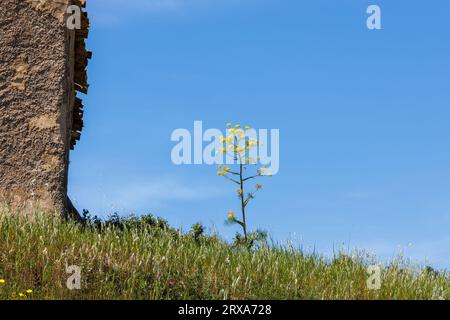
x=241, y=177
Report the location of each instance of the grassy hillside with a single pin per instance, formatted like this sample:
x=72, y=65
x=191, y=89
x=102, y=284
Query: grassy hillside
x=143, y=259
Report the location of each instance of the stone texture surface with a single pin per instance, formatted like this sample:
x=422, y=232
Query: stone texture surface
x=56, y=7
x=37, y=102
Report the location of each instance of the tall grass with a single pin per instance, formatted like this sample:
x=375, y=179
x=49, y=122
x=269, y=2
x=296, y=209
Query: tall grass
x=142, y=262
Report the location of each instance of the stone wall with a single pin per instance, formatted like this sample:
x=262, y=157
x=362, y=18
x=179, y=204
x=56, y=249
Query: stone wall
x=42, y=65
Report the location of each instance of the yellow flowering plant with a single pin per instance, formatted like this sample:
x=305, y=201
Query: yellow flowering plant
x=24, y=294
x=239, y=147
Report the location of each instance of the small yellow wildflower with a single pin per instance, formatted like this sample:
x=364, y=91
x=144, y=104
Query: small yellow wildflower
x=231, y=215
x=2, y=280
x=21, y=294
x=247, y=127
x=229, y=124
x=29, y=291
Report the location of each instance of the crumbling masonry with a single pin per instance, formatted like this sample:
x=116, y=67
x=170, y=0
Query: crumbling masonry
x=42, y=66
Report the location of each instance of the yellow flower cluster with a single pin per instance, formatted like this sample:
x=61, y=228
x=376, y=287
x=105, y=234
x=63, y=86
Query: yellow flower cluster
x=231, y=215
x=236, y=142
x=224, y=170
x=20, y=294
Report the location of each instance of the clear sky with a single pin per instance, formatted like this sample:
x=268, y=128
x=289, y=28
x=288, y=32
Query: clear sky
x=363, y=117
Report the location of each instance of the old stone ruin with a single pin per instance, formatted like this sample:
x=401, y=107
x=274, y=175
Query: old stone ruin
x=42, y=67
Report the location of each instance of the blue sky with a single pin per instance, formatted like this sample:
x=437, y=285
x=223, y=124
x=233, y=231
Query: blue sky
x=363, y=117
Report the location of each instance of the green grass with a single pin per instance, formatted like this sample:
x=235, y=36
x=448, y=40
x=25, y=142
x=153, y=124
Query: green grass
x=147, y=261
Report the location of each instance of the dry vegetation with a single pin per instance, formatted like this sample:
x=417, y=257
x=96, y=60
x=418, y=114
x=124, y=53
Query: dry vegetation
x=144, y=259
